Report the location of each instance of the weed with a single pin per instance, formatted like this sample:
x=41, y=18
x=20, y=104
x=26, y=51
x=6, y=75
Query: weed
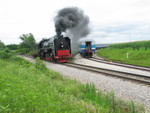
x=40, y=65
x=32, y=89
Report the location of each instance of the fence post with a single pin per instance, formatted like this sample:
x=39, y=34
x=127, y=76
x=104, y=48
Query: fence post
x=127, y=55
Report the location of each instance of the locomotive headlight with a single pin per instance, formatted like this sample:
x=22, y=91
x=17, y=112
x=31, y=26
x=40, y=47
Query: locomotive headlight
x=62, y=44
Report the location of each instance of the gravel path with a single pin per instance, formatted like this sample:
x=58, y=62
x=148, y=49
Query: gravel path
x=122, y=89
x=80, y=60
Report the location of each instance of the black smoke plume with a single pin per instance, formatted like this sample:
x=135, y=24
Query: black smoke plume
x=71, y=17
x=73, y=22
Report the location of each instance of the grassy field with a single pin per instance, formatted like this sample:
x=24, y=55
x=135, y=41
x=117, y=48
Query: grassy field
x=119, y=52
x=32, y=88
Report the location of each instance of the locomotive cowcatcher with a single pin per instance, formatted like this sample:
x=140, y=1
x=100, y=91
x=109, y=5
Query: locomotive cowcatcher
x=56, y=49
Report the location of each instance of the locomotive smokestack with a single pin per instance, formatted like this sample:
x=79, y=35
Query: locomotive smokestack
x=58, y=33
x=73, y=20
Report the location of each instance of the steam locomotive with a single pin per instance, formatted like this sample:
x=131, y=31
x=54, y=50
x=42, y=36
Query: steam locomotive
x=56, y=49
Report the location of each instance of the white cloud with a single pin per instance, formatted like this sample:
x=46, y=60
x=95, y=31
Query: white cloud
x=115, y=33
x=109, y=18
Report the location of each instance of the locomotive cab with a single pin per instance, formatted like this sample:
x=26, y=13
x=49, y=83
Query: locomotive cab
x=88, y=46
x=89, y=52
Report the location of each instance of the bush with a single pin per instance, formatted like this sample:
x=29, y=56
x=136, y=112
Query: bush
x=23, y=50
x=20, y=61
x=5, y=54
x=39, y=64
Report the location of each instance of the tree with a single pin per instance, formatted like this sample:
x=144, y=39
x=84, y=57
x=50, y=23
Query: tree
x=28, y=43
x=2, y=46
x=12, y=46
x=5, y=53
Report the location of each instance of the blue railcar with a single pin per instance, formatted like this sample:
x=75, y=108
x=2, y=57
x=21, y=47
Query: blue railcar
x=87, y=48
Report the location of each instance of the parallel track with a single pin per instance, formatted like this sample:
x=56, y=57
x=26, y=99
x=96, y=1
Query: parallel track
x=123, y=75
x=121, y=64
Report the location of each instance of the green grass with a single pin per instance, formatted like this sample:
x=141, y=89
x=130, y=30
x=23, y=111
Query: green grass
x=138, y=57
x=32, y=88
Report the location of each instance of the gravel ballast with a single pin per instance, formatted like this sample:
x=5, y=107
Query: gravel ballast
x=84, y=61
x=122, y=88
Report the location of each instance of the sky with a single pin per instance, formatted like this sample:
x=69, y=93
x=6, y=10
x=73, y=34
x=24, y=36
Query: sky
x=111, y=21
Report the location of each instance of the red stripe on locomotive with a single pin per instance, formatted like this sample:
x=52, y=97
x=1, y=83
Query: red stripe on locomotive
x=63, y=52
x=63, y=55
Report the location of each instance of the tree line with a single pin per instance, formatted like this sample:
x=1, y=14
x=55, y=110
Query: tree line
x=28, y=45
x=134, y=45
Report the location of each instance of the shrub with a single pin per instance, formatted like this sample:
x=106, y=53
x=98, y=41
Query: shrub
x=21, y=61
x=39, y=64
x=5, y=54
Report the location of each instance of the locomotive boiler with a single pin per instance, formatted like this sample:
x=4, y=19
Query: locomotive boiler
x=56, y=49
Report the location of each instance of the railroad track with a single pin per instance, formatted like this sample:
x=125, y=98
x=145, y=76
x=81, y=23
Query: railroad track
x=123, y=75
x=120, y=64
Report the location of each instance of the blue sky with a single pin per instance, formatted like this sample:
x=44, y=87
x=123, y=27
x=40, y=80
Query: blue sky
x=111, y=21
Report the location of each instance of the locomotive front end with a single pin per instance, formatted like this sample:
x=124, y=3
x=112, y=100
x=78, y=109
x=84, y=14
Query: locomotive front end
x=55, y=49
x=63, y=49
